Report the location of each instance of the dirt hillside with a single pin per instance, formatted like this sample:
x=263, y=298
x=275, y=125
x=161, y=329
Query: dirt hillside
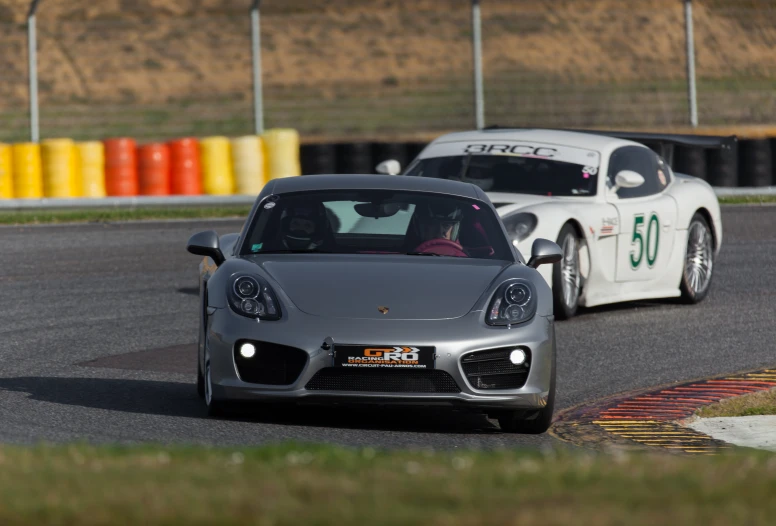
x=161, y=50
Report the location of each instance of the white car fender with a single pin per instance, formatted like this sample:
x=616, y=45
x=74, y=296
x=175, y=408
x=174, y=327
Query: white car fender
x=695, y=194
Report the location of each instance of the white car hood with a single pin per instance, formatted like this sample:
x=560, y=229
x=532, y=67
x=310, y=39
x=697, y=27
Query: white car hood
x=506, y=203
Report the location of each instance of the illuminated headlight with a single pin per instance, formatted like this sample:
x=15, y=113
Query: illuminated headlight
x=252, y=297
x=517, y=357
x=248, y=350
x=513, y=303
x=520, y=225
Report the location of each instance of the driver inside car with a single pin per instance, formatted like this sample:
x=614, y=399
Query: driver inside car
x=302, y=227
x=438, y=225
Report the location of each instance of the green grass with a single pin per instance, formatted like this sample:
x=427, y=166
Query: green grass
x=747, y=200
x=763, y=403
x=109, y=215
x=305, y=484
x=159, y=213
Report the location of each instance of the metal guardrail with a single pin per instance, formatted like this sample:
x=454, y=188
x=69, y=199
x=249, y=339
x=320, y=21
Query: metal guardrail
x=202, y=201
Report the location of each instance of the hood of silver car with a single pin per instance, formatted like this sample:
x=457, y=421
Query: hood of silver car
x=380, y=287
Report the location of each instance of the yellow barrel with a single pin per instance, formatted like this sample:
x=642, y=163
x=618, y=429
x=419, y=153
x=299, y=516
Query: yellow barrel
x=90, y=168
x=248, y=164
x=58, y=160
x=217, y=176
x=6, y=179
x=282, y=147
x=27, y=178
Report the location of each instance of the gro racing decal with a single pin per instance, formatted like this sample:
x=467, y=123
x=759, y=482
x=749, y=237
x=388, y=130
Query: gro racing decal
x=394, y=357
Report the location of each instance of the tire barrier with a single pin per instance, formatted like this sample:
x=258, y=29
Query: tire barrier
x=58, y=168
x=755, y=163
x=283, y=143
x=153, y=162
x=6, y=175
x=248, y=160
x=390, y=150
x=90, y=168
x=242, y=165
x=27, y=177
x=355, y=158
x=722, y=167
x=185, y=170
x=216, y=160
x=690, y=161
x=318, y=159
x=121, y=167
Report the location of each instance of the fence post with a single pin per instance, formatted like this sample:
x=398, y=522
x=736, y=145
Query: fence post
x=258, y=103
x=32, y=65
x=691, y=87
x=479, y=97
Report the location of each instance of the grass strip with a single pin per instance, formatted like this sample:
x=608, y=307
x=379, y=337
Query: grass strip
x=295, y=484
x=762, y=403
x=25, y=217
x=109, y=215
x=747, y=199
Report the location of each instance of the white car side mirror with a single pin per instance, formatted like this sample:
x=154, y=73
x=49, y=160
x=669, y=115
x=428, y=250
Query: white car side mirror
x=627, y=179
x=389, y=167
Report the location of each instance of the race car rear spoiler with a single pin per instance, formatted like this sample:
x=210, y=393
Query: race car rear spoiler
x=662, y=143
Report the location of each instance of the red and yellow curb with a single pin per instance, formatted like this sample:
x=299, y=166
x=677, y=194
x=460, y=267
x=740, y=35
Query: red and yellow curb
x=653, y=418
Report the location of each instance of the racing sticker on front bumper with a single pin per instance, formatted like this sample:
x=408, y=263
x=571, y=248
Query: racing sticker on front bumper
x=394, y=357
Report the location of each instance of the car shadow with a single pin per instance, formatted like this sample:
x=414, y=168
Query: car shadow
x=192, y=291
x=178, y=399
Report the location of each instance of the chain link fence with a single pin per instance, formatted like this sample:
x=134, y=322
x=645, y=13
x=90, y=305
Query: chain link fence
x=386, y=70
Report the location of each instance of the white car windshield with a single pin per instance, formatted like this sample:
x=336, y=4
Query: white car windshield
x=512, y=174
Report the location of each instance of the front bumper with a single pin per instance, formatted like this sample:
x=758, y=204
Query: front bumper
x=451, y=338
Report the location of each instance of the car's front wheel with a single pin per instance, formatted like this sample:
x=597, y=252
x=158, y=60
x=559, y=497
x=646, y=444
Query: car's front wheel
x=531, y=423
x=698, y=261
x=214, y=407
x=566, y=275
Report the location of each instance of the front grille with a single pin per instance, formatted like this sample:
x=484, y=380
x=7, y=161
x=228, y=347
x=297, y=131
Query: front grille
x=377, y=380
x=493, y=369
x=272, y=364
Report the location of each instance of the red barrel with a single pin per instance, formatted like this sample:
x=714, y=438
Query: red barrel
x=154, y=169
x=186, y=173
x=121, y=167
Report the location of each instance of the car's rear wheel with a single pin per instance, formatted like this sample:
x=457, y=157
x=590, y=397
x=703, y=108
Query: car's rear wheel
x=566, y=275
x=532, y=422
x=698, y=261
x=214, y=407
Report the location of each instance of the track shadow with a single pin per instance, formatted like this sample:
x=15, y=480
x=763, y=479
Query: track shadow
x=192, y=291
x=180, y=400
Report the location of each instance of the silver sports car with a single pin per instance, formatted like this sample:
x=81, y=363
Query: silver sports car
x=377, y=289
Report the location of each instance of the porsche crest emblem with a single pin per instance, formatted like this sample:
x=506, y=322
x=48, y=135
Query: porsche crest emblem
x=383, y=310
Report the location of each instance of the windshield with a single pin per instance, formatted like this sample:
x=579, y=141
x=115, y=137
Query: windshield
x=513, y=174
x=377, y=222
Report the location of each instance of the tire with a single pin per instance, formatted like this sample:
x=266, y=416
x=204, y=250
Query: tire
x=565, y=295
x=533, y=422
x=214, y=407
x=200, y=381
x=698, y=261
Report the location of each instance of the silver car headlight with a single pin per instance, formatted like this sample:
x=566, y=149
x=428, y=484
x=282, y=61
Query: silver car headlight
x=514, y=302
x=252, y=297
x=520, y=225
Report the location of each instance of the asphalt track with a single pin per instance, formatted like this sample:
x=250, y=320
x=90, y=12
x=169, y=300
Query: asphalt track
x=99, y=324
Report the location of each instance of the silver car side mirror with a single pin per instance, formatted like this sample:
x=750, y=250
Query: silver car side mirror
x=544, y=251
x=389, y=167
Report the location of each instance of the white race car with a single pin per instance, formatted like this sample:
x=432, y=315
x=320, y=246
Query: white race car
x=630, y=228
